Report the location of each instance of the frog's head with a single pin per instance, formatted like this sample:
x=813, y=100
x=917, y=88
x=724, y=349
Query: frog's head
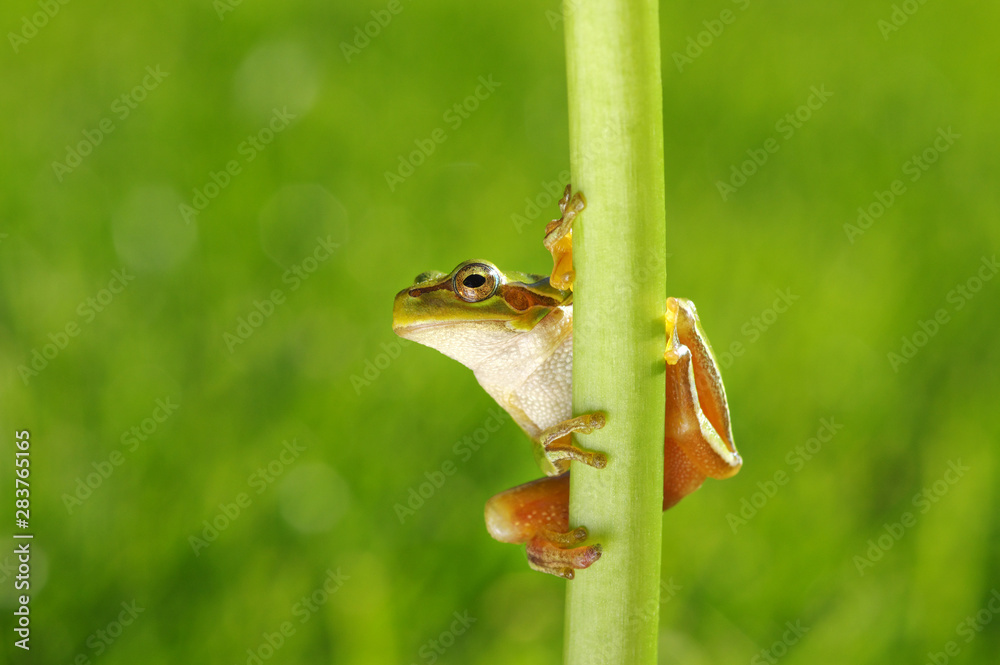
x=468, y=313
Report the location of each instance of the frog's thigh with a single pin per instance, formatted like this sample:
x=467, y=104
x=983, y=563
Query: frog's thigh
x=537, y=513
x=518, y=514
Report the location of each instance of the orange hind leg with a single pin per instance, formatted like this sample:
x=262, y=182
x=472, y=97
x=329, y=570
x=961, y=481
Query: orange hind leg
x=537, y=513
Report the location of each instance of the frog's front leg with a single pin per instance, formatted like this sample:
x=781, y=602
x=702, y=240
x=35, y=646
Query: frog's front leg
x=537, y=514
x=556, y=445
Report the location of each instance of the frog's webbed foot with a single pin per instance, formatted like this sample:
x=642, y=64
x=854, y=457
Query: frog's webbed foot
x=699, y=439
x=558, y=447
x=559, y=239
x=537, y=514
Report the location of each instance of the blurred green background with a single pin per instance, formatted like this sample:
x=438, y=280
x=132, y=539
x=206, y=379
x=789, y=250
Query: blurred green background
x=246, y=354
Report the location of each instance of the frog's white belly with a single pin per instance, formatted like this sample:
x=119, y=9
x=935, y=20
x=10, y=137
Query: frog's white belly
x=532, y=376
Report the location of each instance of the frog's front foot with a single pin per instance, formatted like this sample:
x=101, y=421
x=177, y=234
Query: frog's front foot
x=559, y=239
x=537, y=514
x=558, y=447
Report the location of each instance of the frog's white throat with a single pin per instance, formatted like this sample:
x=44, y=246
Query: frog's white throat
x=492, y=349
x=529, y=373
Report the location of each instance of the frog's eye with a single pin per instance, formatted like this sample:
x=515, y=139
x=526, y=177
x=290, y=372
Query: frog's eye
x=476, y=282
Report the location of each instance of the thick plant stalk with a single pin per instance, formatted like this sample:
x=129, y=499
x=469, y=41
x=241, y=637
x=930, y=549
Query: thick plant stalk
x=619, y=251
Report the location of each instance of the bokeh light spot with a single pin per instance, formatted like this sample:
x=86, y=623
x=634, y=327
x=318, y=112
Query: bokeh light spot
x=313, y=498
x=149, y=233
x=276, y=75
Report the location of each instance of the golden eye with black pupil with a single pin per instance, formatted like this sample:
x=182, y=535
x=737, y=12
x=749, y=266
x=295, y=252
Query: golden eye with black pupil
x=476, y=282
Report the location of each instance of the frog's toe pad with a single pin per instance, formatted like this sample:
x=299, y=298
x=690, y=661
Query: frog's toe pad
x=546, y=556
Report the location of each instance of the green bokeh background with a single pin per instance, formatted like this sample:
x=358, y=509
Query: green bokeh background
x=301, y=375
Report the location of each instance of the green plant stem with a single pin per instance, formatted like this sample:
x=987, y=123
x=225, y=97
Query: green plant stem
x=619, y=246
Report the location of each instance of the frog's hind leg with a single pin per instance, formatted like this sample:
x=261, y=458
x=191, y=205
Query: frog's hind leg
x=537, y=514
x=698, y=441
x=546, y=557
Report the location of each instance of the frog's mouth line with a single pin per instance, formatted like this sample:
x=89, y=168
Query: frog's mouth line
x=417, y=327
x=410, y=327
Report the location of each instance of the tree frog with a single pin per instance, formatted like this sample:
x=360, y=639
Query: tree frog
x=514, y=330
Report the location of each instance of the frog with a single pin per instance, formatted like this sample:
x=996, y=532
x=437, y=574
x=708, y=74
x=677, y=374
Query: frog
x=514, y=330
